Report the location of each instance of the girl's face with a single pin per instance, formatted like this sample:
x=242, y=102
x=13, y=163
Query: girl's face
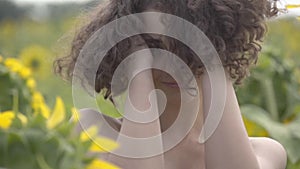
x=174, y=90
x=163, y=80
x=168, y=85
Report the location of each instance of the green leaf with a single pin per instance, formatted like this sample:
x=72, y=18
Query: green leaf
x=106, y=106
x=41, y=162
x=19, y=155
x=285, y=134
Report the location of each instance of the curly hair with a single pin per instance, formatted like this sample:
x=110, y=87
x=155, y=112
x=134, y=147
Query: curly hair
x=235, y=27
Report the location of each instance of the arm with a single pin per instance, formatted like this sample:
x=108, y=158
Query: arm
x=229, y=147
x=139, y=90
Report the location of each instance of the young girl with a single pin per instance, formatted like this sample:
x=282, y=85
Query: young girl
x=235, y=28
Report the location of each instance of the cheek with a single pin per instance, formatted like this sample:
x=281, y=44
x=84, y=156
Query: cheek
x=172, y=94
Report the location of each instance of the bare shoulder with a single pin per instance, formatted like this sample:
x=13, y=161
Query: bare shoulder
x=90, y=117
x=269, y=152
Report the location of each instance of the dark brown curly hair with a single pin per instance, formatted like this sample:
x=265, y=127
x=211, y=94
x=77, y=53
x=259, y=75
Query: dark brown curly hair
x=235, y=27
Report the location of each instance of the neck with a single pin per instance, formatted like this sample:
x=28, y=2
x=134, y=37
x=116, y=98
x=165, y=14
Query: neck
x=172, y=110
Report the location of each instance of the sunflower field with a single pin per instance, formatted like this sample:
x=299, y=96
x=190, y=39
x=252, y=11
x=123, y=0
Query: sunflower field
x=37, y=117
x=35, y=136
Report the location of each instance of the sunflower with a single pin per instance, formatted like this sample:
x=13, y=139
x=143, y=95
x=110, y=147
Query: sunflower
x=6, y=119
x=37, y=59
x=16, y=66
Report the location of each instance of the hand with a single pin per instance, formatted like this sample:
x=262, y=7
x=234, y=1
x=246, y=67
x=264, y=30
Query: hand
x=140, y=57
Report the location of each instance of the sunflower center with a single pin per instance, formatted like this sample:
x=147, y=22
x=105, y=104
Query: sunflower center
x=35, y=64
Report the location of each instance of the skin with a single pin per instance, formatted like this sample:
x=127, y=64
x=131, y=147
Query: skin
x=228, y=148
x=221, y=151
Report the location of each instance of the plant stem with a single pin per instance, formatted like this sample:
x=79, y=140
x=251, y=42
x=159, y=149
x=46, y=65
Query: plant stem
x=268, y=88
x=41, y=162
x=15, y=101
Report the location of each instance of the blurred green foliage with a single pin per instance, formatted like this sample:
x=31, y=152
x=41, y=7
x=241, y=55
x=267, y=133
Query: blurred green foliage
x=34, y=146
x=34, y=136
x=269, y=99
x=37, y=43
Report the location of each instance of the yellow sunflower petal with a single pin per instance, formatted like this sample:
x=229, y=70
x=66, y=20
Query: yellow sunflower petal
x=31, y=84
x=39, y=106
x=58, y=114
x=6, y=119
x=99, y=164
x=37, y=99
x=89, y=133
x=44, y=109
x=13, y=64
x=292, y=6
x=75, y=115
x=102, y=144
x=25, y=72
x=22, y=118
